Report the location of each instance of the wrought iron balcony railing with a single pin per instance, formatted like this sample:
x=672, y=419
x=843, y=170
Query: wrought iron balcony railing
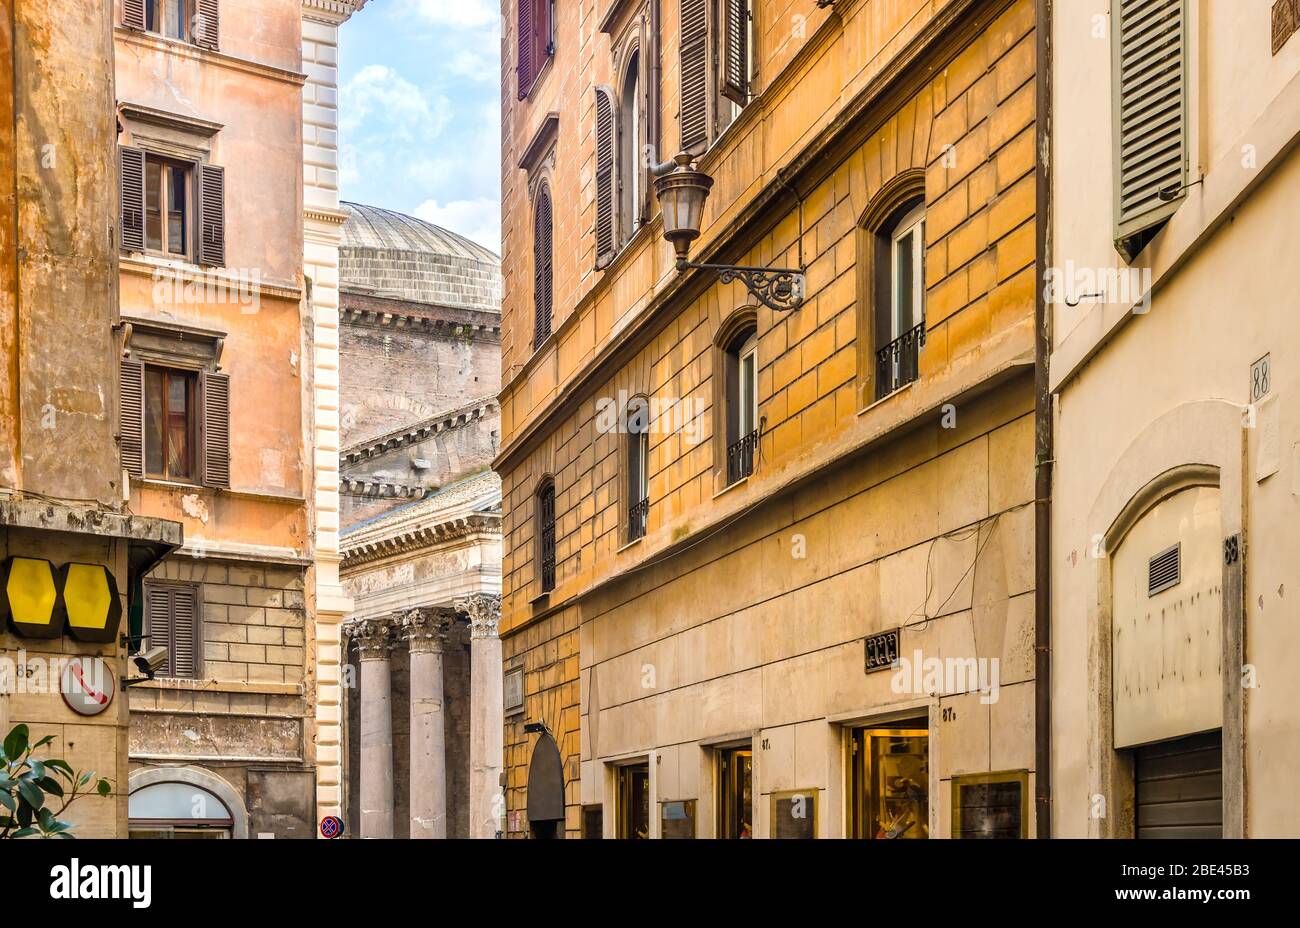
x=740, y=457
x=898, y=363
x=636, y=518
x=548, y=558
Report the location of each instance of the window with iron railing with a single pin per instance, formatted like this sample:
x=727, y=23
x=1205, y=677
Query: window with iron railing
x=901, y=330
x=740, y=457
x=546, y=524
x=743, y=424
x=637, y=421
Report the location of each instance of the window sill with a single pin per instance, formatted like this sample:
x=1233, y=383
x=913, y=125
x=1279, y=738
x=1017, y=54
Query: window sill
x=886, y=398
x=731, y=486
x=631, y=544
x=541, y=598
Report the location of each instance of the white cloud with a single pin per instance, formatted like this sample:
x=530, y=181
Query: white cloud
x=478, y=219
x=405, y=110
x=455, y=14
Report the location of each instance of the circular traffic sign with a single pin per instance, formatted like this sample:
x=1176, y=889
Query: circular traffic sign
x=87, y=685
x=331, y=826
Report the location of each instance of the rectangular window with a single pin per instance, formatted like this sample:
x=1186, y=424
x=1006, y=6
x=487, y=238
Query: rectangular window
x=677, y=819
x=736, y=793
x=170, y=423
x=634, y=801
x=593, y=822
x=535, y=39
x=172, y=622
x=171, y=18
x=546, y=535
x=890, y=781
x=990, y=805
x=168, y=195
x=901, y=322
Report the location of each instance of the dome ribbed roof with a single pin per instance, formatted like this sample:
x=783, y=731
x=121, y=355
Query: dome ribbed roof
x=390, y=254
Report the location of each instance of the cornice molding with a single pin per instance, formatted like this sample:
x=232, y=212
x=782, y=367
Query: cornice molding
x=413, y=434
x=487, y=523
x=350, y=315
x=379, y=489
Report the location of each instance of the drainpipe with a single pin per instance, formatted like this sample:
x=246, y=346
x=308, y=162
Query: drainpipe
x=1043, y=450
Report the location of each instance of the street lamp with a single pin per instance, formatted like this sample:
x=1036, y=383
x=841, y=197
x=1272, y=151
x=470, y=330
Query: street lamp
x=682, y=192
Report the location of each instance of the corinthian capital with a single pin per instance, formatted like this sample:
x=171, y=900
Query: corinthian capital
x=427, y=629
x=484, y=612
x=374, y=637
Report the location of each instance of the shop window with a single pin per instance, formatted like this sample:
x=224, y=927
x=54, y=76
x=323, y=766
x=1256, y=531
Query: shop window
x=794, y=814
x=178, y=810
x=634, y=801
x=593, y=822
x=677, y=819
x=890, y=782
x=990, y=805
x=736, y=793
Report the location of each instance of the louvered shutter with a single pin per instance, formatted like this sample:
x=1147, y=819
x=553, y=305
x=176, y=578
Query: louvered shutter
x=216, y=430
x=131, y=417
x=130, y=163
x=207, y=24
x=1151, y=114
x=158, y=612
x=185, y=643
x=526, y=40
x=542, y=268
x=212, y=215
x=735, y=50
x=694, y=74
x=133, y=14
x=604, y=176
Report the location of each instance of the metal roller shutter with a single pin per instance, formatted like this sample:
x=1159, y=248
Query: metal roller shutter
x=1179, y=787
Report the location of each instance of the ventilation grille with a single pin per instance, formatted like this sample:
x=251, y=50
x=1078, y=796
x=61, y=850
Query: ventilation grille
x=1165, y=570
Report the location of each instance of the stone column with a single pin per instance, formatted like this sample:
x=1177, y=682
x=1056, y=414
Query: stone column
x=374, y=639
x=426, y=635
x=487, y=718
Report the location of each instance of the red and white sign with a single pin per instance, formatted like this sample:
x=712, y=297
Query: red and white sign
x=87, y=685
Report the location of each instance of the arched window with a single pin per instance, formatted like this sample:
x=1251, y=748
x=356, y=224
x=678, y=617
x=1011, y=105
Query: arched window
x=893, y=251
x=546, y=534
x=742, y=402
x=543, y=265
x=629, y=155
x=637, y=421
x=186, y=806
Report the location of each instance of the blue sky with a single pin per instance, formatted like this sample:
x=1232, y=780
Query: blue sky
x=420, y=115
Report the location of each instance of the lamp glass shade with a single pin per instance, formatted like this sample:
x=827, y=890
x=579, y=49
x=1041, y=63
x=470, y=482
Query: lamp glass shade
x=682, y=194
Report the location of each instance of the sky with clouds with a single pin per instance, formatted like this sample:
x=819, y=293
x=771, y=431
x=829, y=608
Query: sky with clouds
x=420, y=114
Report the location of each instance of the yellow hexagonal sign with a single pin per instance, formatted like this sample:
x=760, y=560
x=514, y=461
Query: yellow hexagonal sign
x=90, y=602
x=29, y=598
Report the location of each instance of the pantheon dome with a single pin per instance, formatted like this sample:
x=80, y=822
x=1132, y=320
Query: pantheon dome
x=389, y=254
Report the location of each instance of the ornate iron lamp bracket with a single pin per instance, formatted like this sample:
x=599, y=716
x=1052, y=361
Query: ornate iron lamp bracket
x=778, y=288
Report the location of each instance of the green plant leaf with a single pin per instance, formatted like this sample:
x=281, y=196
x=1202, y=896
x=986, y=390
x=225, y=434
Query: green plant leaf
x=25, y=833
x=7, y=800
x=58, y=827
x=38, y=768
x=61, y=766
x=84, y=778
x=44, y=741
x=46, y=819
x=24, y=814
x=16, y=741
x=51, y=786
x=103, y=787
x=64, y=834
x=31, y=794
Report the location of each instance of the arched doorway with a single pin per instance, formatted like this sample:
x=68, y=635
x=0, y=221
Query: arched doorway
x=185, y=803
x=546, y=790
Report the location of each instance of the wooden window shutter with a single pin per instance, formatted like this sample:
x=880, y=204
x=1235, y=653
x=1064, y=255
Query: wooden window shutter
x=1151, y=116
x=207, y=24
x=131, y=417
x=158, y=627
x=185, y=640
x=694, y=75
x=131, y=172
x=604, y=176
x=216, y=430
x=212, y=215
x=133, y=14
x=524, y=71
x=543, y=283
x=735, y=50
